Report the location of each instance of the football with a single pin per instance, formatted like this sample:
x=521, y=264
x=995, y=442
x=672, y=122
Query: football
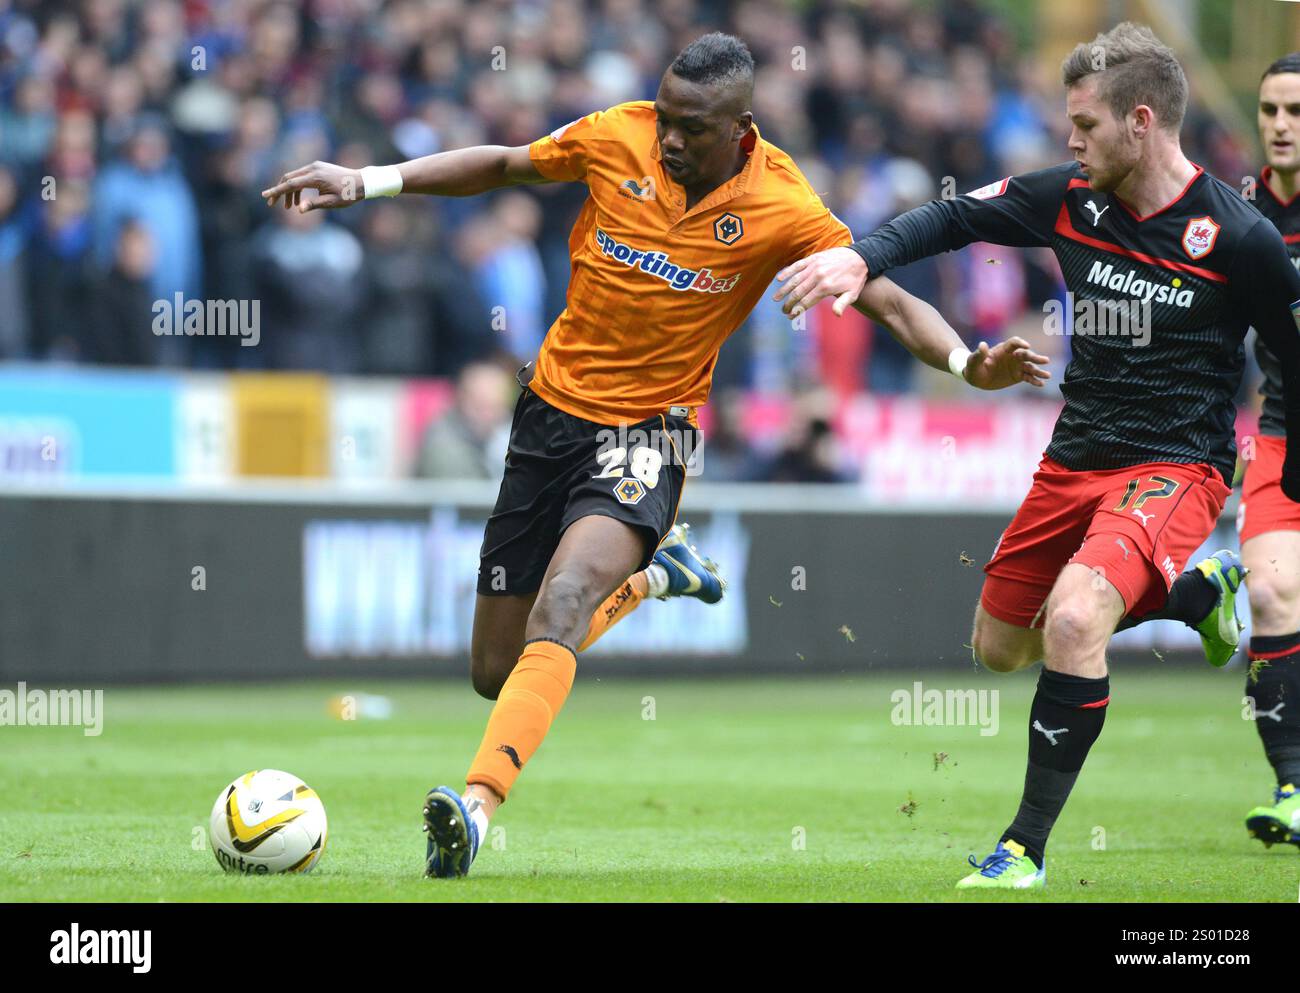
x=268, y=821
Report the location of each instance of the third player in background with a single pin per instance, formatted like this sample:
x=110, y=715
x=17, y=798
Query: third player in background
x=1267, y=522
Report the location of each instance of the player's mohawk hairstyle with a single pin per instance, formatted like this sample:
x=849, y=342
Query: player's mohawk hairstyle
x=1287, y=63
x=715, y=58
x=1136, y=68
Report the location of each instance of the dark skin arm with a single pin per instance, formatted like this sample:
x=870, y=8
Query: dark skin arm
x=921, y=329
x=459, y=173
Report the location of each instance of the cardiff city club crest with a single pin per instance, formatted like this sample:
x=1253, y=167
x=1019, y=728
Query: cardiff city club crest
x=1199, y=237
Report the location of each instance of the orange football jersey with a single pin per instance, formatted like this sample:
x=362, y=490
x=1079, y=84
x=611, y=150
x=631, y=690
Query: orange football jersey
x=655, y=289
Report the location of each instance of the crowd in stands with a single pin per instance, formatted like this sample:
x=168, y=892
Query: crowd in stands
x=136, y=135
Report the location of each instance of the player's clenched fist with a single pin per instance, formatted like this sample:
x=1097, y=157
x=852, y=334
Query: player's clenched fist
x=836, y=272
x=334, y=186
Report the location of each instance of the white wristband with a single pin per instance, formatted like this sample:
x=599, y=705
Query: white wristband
x=381, y=181
x=957, y=361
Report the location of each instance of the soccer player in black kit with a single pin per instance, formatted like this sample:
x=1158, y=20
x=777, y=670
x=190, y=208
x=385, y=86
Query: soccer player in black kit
x=1142, y=456
x=1267, y=522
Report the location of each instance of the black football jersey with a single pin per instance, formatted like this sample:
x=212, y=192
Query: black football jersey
x=1200, y=271
x=1286, y=218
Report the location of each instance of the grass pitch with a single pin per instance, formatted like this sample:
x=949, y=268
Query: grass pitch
x=741, y=790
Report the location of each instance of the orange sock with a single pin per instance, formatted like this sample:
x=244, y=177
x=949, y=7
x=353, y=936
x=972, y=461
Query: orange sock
x=528, y=702
x=620, y=603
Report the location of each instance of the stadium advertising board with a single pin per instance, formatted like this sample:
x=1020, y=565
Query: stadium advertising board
x=220, y=588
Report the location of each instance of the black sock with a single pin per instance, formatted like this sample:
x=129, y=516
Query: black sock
x=1273, y=682
x=1064, y=720
x=1191, y=598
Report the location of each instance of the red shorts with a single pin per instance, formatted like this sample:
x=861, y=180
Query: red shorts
x=1264, y=507
x=1138, y=526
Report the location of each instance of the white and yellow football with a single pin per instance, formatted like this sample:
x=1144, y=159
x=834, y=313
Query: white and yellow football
x=268, y=821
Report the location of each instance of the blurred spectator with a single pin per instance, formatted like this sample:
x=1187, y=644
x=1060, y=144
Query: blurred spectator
x=14, y=330
x=63, y=299
x=147, y=185
x=123, y=327
x=469, y=441
x=508, y=271
x=309, y=281
x=726, y=455
x=27, y=123
x=810, y=453
x=72, y=156
x=398, y=334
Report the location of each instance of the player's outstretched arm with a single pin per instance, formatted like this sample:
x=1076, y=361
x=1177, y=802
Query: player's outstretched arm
x=459, y=173
x=1019, y=211
x=921, y=329
x=927, y=230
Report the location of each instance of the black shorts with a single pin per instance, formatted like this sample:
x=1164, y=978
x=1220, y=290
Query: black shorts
x=560, y=468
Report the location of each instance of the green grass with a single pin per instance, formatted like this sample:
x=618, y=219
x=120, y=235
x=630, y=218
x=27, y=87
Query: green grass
x=703, y=803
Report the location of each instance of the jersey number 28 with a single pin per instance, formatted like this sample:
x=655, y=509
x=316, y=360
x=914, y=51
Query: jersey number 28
x=644, y=464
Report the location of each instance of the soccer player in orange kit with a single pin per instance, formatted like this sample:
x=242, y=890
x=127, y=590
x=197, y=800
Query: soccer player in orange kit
x=690, y=216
